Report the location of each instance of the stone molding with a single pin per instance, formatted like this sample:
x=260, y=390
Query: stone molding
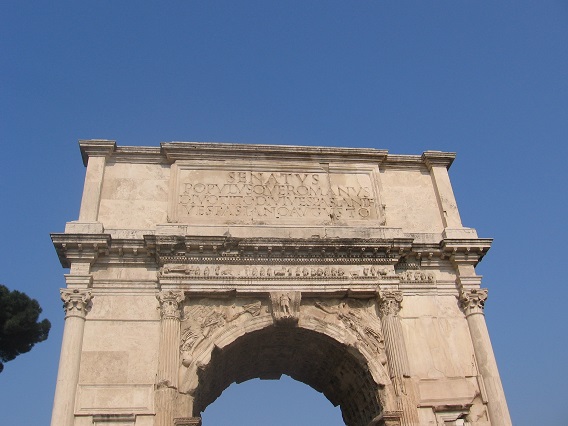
x=387, y=418
x=473, y=301
x=187, y=421
x=114, y=418
x=76, y=303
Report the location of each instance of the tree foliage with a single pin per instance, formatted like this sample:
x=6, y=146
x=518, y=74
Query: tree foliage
x=19, y=326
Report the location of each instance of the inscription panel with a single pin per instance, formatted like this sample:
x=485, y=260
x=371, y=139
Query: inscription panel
x=267, y=194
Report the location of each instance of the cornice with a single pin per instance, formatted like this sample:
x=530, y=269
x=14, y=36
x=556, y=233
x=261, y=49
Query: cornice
x=465, y=250
x=96, y=148
x=139, y=154
x=170, y=152
x=207, y=150
x=79, y=247
x=438, y=158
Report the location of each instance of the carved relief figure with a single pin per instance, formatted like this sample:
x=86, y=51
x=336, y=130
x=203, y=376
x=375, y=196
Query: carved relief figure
x=200, y=322
x=285, y=307
x=416, y=275
x=367, y=327
x=285, y=304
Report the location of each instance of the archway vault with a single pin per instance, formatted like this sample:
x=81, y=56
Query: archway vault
x=327, y=355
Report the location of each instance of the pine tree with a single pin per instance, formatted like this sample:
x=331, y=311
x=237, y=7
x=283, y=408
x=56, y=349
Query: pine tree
x=19, y=326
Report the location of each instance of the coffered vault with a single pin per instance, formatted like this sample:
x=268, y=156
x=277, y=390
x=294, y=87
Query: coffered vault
x=197, y=265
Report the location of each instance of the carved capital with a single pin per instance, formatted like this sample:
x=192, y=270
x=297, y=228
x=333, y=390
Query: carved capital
x=76, y=303
x=170, y=303
x=473, y=301
x=390, y=303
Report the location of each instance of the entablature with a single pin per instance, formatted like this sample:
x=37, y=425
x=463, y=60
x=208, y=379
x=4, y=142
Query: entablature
x=162, y=250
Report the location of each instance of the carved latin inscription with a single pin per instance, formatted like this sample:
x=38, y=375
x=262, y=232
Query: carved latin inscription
x=245, y=196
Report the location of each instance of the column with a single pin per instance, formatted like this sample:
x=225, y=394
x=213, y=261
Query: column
x=472, y=302
x=168, y=356
x=390, y=303
x=75, y=303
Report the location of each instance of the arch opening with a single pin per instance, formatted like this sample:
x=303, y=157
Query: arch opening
x=272, y=402
x=307, y=356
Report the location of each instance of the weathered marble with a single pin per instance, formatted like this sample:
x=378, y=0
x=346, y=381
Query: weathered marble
x=196, y=265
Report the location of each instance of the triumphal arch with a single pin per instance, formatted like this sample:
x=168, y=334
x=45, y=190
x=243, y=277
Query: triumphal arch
x=196, y=265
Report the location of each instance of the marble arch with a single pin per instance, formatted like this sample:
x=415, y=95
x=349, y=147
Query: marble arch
x=305, y=353
x=347, y=269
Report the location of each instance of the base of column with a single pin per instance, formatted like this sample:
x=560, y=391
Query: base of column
x=165, y=405
x=387, y=418
x=187, y=421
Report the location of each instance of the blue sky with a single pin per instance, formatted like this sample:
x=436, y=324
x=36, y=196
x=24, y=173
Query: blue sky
x=484, y=79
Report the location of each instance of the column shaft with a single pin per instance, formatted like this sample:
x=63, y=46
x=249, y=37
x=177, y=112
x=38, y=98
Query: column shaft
x=169, y=353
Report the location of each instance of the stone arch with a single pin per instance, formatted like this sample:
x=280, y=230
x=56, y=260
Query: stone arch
x=326, y=357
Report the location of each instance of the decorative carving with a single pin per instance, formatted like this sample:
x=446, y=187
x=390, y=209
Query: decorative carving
x=285, y=307
x=390, y=303
x=473, y=301
x=416, y=276
x=367, y=327
x=76, y=302
x=200, y=321
x=169, y=303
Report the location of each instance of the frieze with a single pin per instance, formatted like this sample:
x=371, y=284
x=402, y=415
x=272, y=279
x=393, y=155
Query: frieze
x=271, y=272
x=410, y=276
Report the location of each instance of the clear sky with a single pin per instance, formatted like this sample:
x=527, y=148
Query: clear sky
x=485, y=79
